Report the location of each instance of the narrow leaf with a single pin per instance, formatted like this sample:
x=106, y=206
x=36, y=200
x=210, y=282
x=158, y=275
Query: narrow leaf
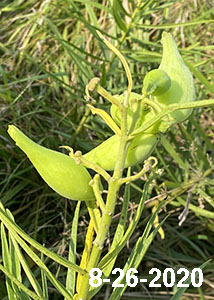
x=71, y=274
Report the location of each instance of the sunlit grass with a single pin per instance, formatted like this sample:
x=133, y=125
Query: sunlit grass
x=49, y=50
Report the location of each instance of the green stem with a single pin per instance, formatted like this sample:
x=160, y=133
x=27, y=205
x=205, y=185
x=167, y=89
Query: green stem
x=88, y=164
x=146, y=168
x=169, y=109
x=110, y=204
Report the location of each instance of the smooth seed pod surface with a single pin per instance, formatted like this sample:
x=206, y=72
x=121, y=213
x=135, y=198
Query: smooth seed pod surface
x=106, y=154
x=58, y=170
x=157, y=82
x=182, y=86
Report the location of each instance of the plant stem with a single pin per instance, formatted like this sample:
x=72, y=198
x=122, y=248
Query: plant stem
x=113, y=187
x=169, y=109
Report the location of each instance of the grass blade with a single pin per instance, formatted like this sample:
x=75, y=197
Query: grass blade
x=71, y=274
x=20, y=285
x=7, y=263
x=13, y=227
x=182, y=290
x=20, y=258
x=135, y=258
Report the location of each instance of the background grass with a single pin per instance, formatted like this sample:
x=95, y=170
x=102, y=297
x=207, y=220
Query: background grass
x=49, y=50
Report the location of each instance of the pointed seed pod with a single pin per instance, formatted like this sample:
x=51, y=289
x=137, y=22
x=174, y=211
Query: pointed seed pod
x=58, y=170
x=182, y=86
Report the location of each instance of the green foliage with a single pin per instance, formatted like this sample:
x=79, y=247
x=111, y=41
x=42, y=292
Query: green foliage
x=49, y=51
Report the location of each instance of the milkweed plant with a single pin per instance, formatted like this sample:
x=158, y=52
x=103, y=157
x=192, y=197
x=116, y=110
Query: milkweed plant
x=137, y=120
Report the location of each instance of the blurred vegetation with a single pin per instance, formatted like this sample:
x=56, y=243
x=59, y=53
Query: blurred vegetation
x=49, y=50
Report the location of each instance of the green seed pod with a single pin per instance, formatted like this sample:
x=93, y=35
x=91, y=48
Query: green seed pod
x=156, y=83
x=58, y=170
x=182, y=86
x=106, y=154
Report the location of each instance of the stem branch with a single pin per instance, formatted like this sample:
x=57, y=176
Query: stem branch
x=110, y=203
